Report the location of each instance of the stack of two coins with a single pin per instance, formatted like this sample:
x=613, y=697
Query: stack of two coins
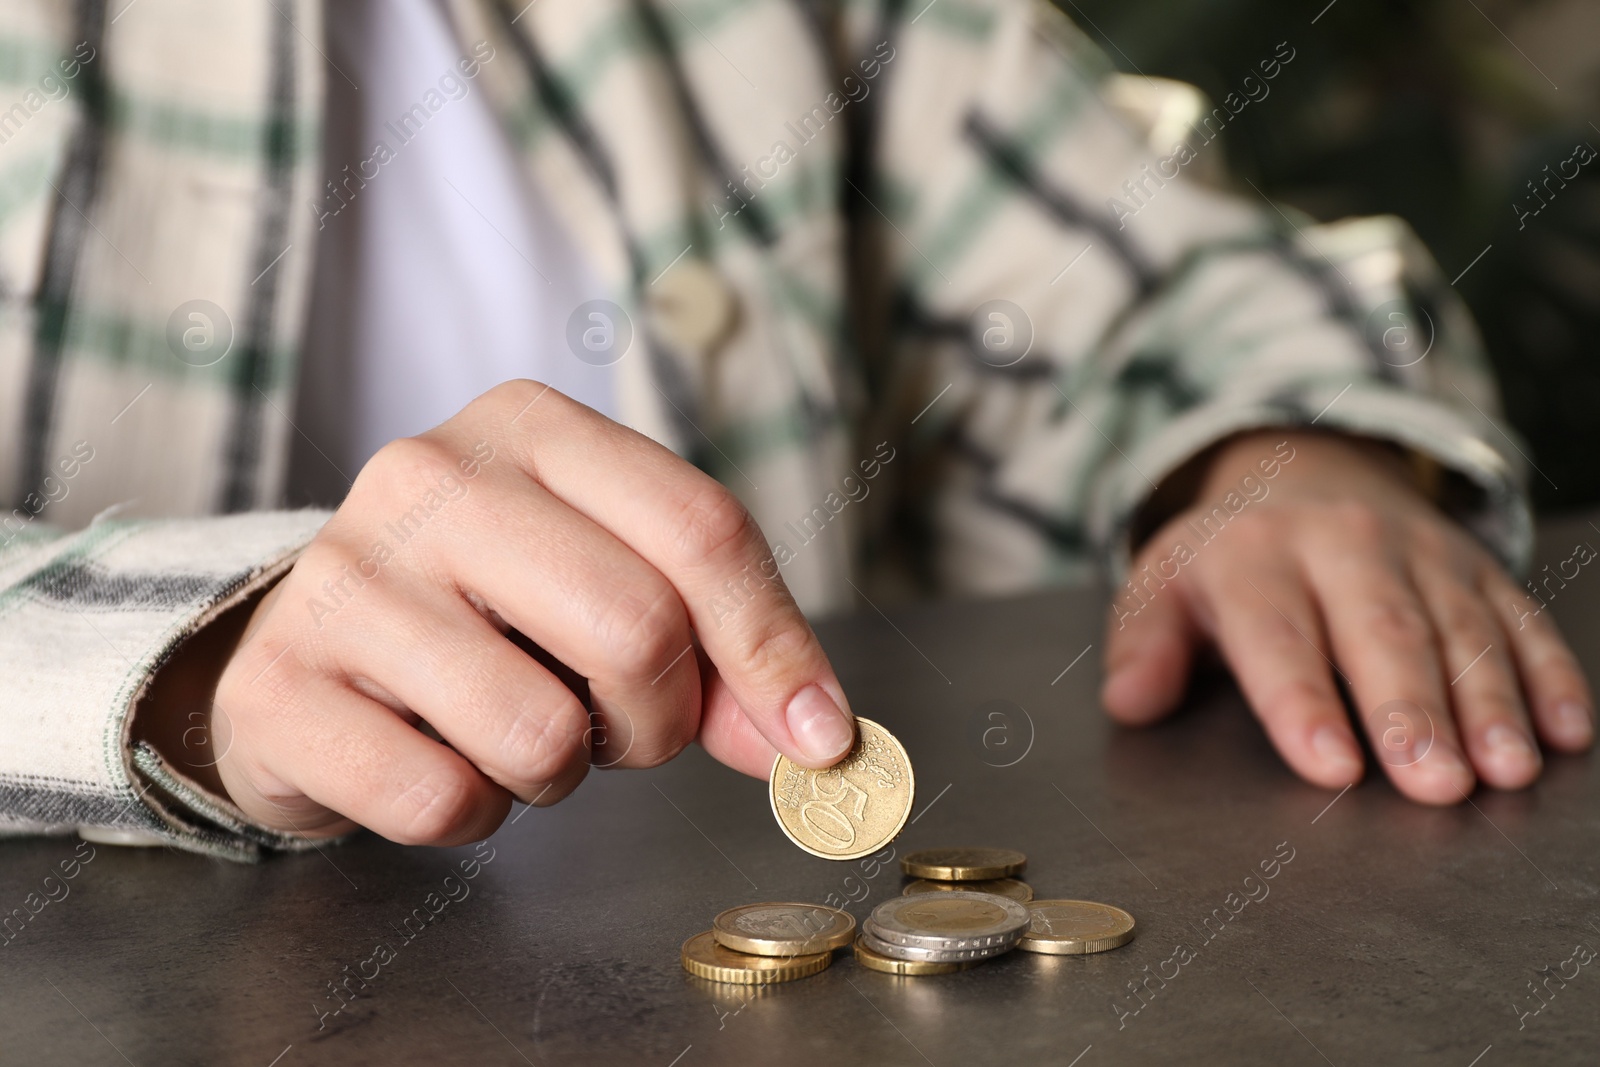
x=760, y=944
x=972, y=870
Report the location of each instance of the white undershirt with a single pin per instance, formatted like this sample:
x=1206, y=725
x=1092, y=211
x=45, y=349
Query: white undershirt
x=440, y=277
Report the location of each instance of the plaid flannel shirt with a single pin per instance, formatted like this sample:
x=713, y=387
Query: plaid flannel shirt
x=857, y=180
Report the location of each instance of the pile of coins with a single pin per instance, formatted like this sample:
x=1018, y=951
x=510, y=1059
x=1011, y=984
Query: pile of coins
x=966, y=906
x=972, y=907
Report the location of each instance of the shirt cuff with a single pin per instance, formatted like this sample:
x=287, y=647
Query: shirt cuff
x=94, y=615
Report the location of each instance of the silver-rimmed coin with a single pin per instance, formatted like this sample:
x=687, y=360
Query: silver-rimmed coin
x=877, y=944
x=957, y=920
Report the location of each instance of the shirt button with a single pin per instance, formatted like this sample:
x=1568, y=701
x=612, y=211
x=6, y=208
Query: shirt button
x=693, y=308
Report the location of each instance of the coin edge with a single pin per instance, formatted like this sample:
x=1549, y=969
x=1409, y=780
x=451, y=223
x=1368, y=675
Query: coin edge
x=1009, y=870
x=906, y=968
x=983, y=952
x=798, y=966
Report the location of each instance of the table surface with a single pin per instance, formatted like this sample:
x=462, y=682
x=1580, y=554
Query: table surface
x=1395, y=933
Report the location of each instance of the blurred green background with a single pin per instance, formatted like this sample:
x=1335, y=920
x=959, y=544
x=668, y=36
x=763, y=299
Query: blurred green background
x=1439, y=111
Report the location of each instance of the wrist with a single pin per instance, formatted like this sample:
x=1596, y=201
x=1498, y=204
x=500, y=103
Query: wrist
x=176, y=714
x=1324, y=461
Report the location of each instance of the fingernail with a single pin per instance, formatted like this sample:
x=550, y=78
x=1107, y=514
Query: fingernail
x=1507, y=742
x=1572, y=723
x=822, y=732
x=1336, y=750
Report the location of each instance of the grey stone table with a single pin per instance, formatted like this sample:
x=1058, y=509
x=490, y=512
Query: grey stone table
x=1390, y=933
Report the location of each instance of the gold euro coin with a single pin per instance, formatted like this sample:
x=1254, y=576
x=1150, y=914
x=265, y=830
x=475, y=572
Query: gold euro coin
x=851, y=809
x=784, y=929
x=1075, y=927
x=876, y=961
x=963, y=864
x=704, y=958
x=1003, y=887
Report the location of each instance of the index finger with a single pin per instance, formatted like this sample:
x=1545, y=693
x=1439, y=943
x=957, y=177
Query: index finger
x=703, y=540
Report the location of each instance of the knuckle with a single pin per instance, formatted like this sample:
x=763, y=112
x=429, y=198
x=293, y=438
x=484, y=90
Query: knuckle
x=1436, y=541
x=778, y=648
x=265, y=677
x=409, y=463
x=324, y=556
x=1467, y=621
x=642, y=632
x=1360, y=522
x=1528, y=623
x=510, y=398
x=435, y=809
x=1256, y=530
x=1397, y=623
x=329, y=558
x=1290, y=640
x=539, y=743
x=1524, y=619
x=325, y=552
x=711, y=523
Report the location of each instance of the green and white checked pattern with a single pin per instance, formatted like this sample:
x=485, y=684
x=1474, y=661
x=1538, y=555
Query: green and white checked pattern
x=182, y=161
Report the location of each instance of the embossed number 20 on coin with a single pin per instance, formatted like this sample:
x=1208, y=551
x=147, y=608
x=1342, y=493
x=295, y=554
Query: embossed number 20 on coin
x=851, y=809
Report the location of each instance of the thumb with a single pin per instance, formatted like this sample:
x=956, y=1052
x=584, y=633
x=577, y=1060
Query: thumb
x=1150, y=641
